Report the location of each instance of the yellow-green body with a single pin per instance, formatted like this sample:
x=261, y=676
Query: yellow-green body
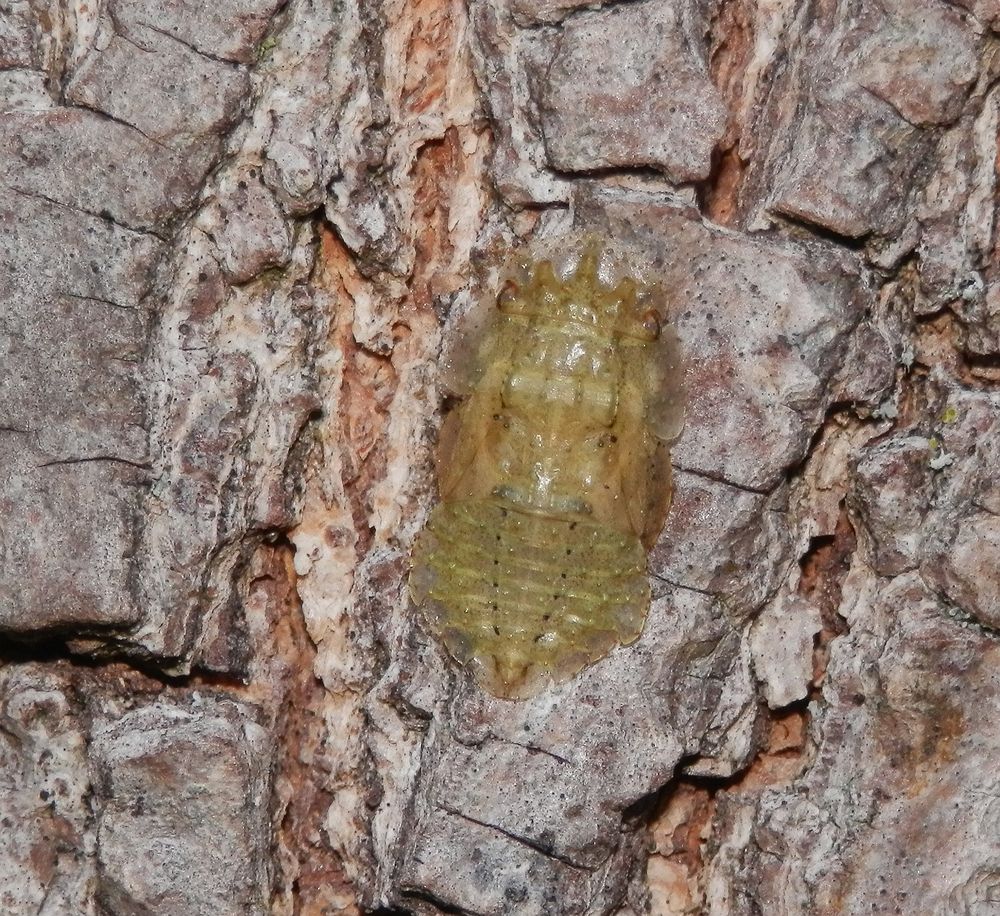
x=554, y=476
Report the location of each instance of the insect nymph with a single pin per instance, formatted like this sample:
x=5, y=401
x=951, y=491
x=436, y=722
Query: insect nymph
x=554, y=475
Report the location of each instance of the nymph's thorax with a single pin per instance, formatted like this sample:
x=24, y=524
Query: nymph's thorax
x=559, y=400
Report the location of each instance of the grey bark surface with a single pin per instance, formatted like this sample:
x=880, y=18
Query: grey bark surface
x=234, y=237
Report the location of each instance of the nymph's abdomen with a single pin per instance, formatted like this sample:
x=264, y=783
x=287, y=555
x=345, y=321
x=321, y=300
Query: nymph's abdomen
x=523, y=597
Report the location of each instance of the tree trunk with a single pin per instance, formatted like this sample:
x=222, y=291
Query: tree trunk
x=234, y=237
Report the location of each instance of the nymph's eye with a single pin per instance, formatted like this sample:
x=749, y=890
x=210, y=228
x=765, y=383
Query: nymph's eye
x=651, y=322
x=508, y=293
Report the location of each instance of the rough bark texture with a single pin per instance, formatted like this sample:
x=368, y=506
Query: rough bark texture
x=234, y=236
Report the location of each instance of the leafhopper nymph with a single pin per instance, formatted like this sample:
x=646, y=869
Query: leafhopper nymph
x=553, y=471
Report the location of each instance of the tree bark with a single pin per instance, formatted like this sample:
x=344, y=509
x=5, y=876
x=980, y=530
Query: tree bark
x=235, y=236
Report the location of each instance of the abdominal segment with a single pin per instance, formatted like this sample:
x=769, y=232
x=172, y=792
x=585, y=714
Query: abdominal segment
x=524, y=598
